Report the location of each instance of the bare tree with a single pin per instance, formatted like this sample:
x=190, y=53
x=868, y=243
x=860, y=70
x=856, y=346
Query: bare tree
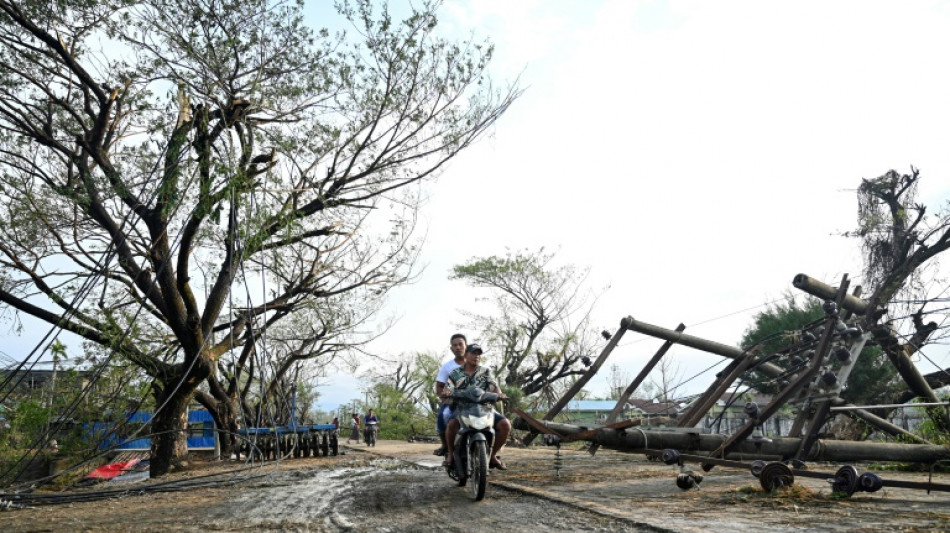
x=542, y=330
x=667, y=380
x=617, y=381
x=901, y=243
x=144, y=143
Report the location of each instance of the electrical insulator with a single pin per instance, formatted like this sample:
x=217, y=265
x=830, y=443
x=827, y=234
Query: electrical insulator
x=830, y=307
x=843, y=354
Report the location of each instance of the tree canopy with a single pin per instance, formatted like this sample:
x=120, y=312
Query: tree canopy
x=779, y=328
x=541, y=333
x=178, y=179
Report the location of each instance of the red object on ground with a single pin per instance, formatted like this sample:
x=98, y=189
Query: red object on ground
x=112, y=470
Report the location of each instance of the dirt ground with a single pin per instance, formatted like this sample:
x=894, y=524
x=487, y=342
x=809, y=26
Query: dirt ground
x=399, y=486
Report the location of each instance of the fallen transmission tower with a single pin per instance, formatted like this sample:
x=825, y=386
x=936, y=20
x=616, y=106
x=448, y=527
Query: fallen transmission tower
x=810, y=377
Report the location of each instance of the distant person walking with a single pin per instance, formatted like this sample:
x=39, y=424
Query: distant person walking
x=354, y=429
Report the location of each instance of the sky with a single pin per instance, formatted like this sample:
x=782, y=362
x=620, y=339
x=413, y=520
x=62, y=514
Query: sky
x=694, y=155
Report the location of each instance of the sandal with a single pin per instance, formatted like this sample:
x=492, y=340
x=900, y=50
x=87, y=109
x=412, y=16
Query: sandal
x=447, y=463
x=496, y=462
x=439, y=451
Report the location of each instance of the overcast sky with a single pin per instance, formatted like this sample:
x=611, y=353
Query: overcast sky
x=695, y=155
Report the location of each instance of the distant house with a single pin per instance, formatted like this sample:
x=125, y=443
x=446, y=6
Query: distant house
x=652, y=410
x=728, y=415
x=582, y=412
x=596, y=411
x=33, y=380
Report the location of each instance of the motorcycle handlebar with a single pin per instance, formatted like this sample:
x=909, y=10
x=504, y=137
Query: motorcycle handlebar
x=481, y=400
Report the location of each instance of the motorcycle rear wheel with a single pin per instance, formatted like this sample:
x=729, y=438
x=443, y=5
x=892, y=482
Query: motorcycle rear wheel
x=478, y=459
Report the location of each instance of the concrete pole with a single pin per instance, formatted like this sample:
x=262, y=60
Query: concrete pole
x=768, y=369
x=840, y=451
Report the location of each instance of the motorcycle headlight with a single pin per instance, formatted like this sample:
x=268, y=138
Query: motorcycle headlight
x=477, y=422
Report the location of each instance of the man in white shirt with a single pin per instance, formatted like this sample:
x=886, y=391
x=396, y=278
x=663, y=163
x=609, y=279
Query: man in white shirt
x=457, y=344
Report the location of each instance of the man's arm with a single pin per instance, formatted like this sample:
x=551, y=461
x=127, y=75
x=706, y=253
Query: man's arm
x=440, y=379
x=492, y=385
x=448, y=387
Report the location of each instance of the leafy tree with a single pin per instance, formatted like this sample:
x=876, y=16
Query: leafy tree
x=161, y=162
x=542, y=328
x=412, y=377
x=397, y=412
x=38, y=416
x=779, y=327
x=24, y=424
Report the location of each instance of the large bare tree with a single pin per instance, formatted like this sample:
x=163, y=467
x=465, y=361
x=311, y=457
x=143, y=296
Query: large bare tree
x=162, y=162
x=901, y=242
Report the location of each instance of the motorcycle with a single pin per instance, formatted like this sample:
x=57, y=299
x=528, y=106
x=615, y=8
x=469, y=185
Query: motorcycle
x=370, y=433
x=474, y=408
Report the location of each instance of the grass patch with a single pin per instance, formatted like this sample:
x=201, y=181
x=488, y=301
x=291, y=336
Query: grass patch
x=939, y=467
x=784, y=497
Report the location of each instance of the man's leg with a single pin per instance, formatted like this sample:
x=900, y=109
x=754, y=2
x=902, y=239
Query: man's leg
x=451, y=431
x=441, y=449
x=502, y=430
x=440, y=424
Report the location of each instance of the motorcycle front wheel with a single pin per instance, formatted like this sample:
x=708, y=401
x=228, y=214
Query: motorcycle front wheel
x=461, y=466
x=478, y=459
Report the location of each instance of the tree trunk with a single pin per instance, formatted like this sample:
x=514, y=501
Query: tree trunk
x=898, y=355
x=226, y=414
x=227, y=419
x=169, y=439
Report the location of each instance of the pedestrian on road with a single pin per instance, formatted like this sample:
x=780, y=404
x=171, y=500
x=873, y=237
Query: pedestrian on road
x=354, y=429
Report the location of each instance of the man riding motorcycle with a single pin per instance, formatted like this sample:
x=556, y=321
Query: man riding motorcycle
x=371, y=425
x=472, y=374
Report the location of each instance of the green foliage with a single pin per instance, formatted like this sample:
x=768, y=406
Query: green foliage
x=872, y=379
x=396, y=413
x=28, y=420
x=425, y=370
x=515, y=397
x=539, y=334
x=778, y=328
x=307, y=395
x=930, y=430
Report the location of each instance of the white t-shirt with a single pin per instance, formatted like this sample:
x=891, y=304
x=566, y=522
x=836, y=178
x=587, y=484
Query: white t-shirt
x=446, y=369
x=443, y=375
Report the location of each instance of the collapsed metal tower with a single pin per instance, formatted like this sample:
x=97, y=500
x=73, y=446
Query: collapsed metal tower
x=810, y=379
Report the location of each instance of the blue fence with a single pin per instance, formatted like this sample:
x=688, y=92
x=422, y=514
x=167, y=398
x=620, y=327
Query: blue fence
x=201, y=433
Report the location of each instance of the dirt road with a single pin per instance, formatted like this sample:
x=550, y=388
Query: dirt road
x=399, y=486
